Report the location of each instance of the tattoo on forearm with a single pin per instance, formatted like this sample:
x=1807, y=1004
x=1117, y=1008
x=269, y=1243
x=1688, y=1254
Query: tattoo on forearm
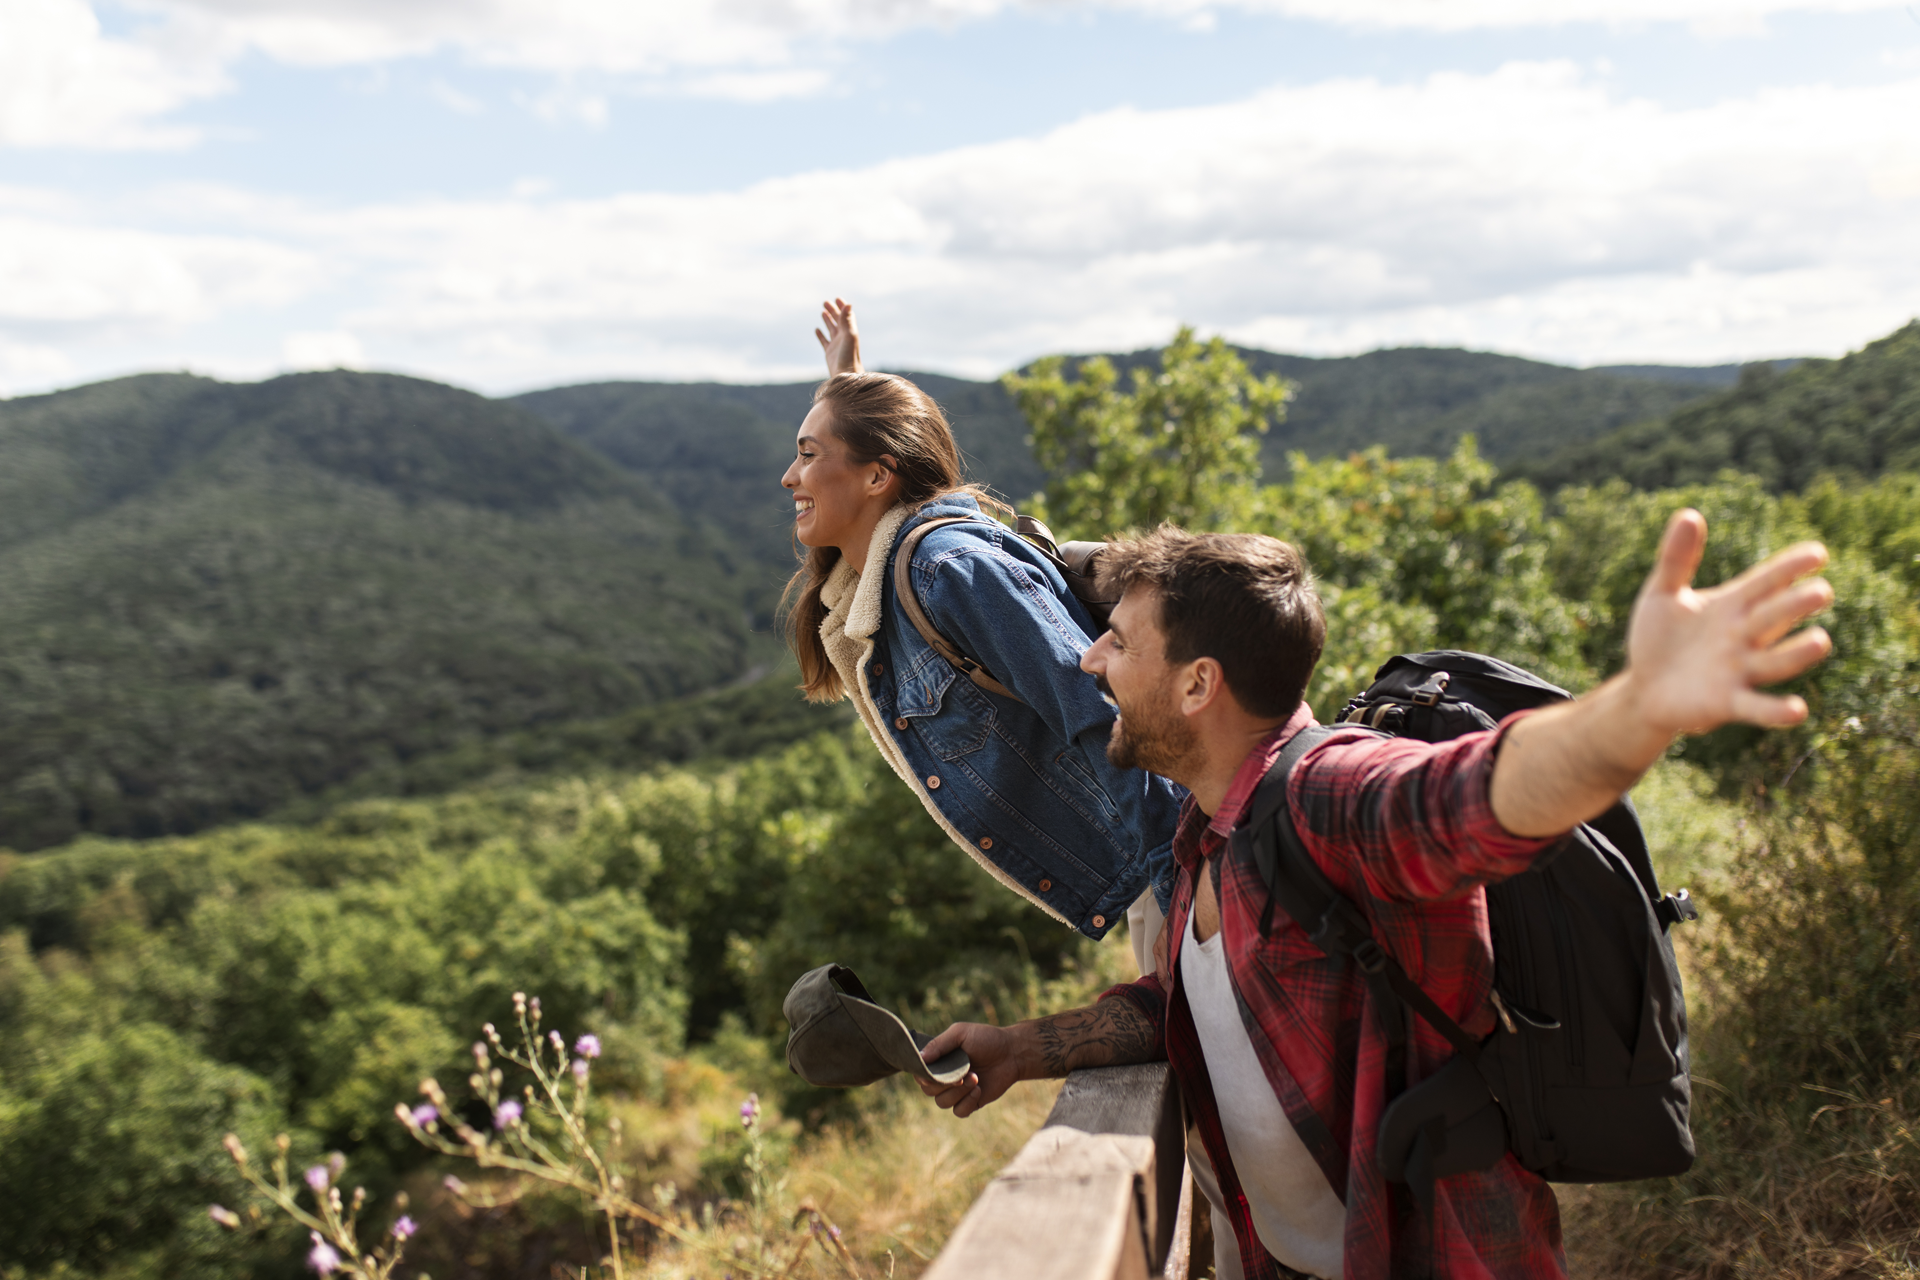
x=1111, y=1032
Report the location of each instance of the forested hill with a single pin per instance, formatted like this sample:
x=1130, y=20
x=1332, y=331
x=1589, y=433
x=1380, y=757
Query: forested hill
x=219, y=597
x=1858, y=415
x=718, y=450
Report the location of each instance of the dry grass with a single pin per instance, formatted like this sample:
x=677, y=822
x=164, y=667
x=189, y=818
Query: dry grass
x=900, y=1189
x=1829, y=1191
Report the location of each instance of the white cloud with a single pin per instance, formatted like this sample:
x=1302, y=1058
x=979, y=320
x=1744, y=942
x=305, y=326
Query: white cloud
x=324, y=349
x=1530, y=210
x=64, y=83
x=83, y=281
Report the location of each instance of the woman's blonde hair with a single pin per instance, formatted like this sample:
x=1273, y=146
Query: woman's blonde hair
x=876, y=417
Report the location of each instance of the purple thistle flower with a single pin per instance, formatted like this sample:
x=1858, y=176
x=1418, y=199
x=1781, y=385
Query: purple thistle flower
x=404, y=1228
x=425, y=1114
x=834, y=1232
x=506, y=1115
x=317, y=1178
x=323, y=1258
x=580, y=1068
x=559, y=1041
x=750, y=1111
x=587, y=1046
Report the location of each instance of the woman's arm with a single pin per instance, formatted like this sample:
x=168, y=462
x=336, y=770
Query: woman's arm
x=839, y=337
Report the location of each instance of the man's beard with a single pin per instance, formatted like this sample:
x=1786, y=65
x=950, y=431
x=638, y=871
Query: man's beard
x=1152, y=736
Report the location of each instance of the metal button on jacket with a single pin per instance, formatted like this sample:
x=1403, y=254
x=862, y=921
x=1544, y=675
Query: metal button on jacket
x=1099, y=922
x=1046, y=886
x=986, y=842
x=900, y=723
x=933, y=782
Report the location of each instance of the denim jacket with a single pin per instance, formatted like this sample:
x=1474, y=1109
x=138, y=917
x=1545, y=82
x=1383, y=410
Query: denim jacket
x=1024, y=786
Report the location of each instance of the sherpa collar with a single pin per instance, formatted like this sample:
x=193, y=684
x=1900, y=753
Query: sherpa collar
x=866, y=590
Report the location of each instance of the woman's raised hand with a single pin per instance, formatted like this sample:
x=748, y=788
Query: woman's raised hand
x=839, y=337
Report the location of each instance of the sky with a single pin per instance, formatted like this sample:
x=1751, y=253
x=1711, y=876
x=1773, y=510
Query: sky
x=510, y=194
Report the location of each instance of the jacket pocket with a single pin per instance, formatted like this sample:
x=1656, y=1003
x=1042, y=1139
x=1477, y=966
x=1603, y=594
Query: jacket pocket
x=960, y=719
x=1075, y=769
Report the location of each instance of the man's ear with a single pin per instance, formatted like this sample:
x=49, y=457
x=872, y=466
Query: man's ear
x=1201, y=685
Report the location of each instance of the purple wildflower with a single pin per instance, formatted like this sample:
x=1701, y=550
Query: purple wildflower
x=404, y=1228
x=506, y=1115
x=580, y=1068
x=224, y=1216
x=317, y=1178
x=834, y=1232
x=323, y=1258
x=453, y=1184
x=480, y=1053
x=425, y=1114
x=559, y=1041
x=587, y=1046
x=750, y=1111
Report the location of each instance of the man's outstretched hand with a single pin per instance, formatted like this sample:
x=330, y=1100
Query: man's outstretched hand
x=839, y=337
x=1699, y=658
x=1696, y=660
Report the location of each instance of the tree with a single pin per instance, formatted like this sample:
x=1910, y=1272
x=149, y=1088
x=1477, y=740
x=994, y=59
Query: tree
x=1179, y=447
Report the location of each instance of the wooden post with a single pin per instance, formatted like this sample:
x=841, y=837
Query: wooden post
x=1096, y=1194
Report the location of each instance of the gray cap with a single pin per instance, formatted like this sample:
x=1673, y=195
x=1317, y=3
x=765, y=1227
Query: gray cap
x=841, y=1038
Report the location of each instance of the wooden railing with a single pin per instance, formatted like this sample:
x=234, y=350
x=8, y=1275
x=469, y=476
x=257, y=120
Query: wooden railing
x=1100, y=1192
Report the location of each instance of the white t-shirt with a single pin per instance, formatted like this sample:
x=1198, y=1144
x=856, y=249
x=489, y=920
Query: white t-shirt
x=1295, y=1213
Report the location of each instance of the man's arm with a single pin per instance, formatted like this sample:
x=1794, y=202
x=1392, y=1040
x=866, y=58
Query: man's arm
x=1110, y=1033
x=1695, y=661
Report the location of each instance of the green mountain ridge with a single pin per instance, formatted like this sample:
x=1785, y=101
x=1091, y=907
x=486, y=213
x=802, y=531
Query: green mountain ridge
x=226, y=599
x=219, y=598
x=1858, y=415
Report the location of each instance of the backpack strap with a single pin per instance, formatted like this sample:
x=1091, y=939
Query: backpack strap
x=910, y=601
x=1296, y=882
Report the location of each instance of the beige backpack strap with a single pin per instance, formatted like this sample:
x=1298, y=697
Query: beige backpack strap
x=903, y=588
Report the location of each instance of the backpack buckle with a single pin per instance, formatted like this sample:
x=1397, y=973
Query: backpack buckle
x=1370, y=956
x=1676, y=908
x=1429, y=692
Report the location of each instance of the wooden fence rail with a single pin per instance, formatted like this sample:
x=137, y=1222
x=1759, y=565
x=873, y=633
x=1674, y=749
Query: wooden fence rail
x=1100, y=1192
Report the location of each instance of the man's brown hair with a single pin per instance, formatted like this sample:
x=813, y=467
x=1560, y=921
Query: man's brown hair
x=1245, y=600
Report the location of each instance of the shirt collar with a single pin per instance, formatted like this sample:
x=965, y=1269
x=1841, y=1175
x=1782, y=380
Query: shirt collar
x=1253, y=769
x=1197, y=835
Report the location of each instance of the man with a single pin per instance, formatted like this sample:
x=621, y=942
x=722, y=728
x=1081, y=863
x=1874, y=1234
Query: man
x=1210, y=651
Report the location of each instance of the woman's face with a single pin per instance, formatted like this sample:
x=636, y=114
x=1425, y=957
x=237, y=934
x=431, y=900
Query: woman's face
x=837, y=502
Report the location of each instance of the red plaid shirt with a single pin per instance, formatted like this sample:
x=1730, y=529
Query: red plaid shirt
x=1406, y=830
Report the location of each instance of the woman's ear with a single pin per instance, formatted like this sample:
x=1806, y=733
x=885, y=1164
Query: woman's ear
x=886, y=477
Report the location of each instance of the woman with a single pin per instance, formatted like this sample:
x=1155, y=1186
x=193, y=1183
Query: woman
x=1022, y=783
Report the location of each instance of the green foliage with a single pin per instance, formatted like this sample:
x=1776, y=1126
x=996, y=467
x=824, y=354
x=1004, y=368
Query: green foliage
x=1175, y=448
x=734, y=723
x=307, y=977
x=1859, y=415
x=1415, y=553
x=221, y=598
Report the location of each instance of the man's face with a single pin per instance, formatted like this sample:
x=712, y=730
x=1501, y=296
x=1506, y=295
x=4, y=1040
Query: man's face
x=1130, y=664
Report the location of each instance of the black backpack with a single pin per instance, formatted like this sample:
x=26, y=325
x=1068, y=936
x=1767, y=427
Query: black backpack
x=1584, y=1077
